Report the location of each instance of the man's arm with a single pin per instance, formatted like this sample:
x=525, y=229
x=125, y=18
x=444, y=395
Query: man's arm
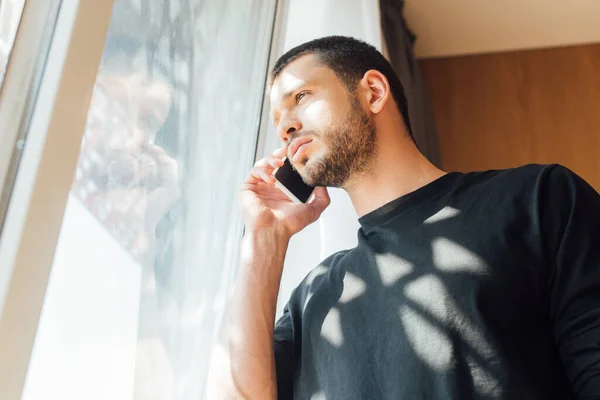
x=244, y=366
x=571, y=225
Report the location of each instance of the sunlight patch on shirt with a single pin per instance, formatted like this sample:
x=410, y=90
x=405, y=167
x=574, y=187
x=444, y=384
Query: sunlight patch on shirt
x=318, y=396
x=445, y=213
x=392, y=268
x=485, y=384
x=317, y=271
x=331, y=330
x=430, y=344
x=452, y=257
x=308, y=297
x=431, y=294
x=353, y=287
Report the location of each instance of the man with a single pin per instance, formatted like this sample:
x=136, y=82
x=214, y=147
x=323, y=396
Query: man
x=463, y=286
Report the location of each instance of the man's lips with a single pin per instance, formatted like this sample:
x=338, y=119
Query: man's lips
x=295, y=145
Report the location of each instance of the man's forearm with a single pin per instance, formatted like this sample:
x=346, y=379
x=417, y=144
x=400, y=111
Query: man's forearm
x=244, y=366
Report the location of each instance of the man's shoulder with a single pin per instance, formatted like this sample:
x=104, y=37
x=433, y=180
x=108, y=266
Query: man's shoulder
x=327, y=266
x=325, y=274
x=515, y=180
x=502, y=189
x=520, y=173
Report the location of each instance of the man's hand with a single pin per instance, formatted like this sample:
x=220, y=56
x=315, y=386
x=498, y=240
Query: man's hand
x=263, y=205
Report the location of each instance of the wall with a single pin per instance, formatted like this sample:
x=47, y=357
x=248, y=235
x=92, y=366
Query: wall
x=507, y=109
x=447, y=28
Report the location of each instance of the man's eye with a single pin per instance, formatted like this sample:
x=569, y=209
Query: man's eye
x=300, y=95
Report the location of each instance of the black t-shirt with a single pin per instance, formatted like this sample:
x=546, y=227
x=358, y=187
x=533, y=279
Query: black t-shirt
x=476, y=286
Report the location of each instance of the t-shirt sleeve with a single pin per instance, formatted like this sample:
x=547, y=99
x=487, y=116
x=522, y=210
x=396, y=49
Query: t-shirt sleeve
x=283, y=346
x=570, y=225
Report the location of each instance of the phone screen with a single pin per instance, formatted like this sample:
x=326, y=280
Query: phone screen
x=293, y=182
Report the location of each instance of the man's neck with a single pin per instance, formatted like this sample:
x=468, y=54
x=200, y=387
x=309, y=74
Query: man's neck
x=398, y=169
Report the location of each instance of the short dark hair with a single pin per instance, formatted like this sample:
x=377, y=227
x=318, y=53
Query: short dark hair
x=349, y=58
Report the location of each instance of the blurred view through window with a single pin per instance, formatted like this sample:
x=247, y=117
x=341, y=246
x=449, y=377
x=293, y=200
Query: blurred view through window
x=150, y=235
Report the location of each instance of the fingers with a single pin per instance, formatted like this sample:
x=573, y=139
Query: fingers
x=280, y=152
x=263, y=174
x=318, y=203
x=263, y=170
x=320, y=200
x=272, y=161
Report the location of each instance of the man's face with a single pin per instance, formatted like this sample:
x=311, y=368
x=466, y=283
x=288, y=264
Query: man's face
x=329, y=135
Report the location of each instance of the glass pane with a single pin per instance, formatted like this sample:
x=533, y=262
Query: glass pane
x=150, y=236
x=10, y=15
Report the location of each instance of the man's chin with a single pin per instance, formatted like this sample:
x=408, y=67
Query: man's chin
x=310, y=172
x=306, y=175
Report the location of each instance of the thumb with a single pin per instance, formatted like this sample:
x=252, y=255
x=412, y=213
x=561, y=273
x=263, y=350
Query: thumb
x=320, y=200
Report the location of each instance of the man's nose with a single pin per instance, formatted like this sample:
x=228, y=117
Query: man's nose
x=287, y=128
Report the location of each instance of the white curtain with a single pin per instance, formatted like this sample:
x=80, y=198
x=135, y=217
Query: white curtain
x=151, y=232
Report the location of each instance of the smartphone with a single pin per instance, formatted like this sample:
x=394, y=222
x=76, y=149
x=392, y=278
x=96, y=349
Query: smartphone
x=289, y=181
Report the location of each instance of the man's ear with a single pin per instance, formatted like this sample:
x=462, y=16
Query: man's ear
x=377, y=90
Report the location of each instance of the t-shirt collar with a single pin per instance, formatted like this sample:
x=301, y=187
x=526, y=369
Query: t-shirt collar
x=409, y=200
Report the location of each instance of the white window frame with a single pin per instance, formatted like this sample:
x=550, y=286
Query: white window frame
x=33, y=220
x=267, y=137
x=27, y=55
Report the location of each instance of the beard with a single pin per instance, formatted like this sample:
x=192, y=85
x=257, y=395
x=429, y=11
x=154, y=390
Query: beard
x=352, y=148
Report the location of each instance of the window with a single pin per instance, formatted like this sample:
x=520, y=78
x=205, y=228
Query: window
x=22, y=64
x=149, y=240
x=10, y=15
